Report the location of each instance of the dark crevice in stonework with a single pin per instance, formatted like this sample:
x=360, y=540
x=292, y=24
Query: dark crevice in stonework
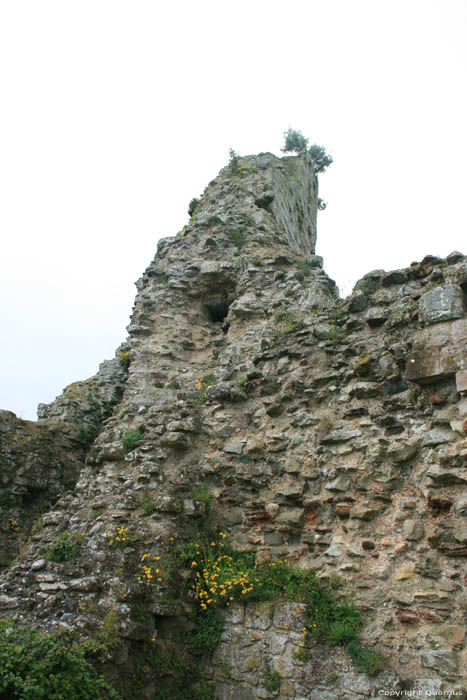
x=216, y=309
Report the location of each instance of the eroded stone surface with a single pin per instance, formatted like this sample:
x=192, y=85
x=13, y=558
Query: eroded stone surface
x=326, y=433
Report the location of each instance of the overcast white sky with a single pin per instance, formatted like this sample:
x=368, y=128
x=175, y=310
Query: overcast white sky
x=115, y=114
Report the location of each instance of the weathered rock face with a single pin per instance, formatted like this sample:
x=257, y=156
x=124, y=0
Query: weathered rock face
x=38, y=464
x=330, y=433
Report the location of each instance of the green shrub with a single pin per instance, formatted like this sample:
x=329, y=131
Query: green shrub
x=221, y=575
x=208, y=629
x=364, y=659
x=148, y=504
x=193, y=205
x=35, y=665
x=272, y=680
x=297, y=324
x=132, y=438
x=321, y=204
x=6, y=499
x=295, y=142
x=65, y=548
x=367, y=285
x=178, y=677
x=203, y=383
x=37, y=527
x=332, y=333
x=87, y=434
x=124, y=359
x=174, y=384
x=321, y=160
x=234, y=159
x=201, y=493
x=237, y=237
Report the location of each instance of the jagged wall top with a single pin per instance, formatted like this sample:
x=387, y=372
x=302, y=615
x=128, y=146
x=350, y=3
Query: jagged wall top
x=279, y=193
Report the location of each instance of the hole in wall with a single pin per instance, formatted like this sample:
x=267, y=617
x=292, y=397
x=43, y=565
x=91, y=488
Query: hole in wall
x=216, y=308
x=464, y=294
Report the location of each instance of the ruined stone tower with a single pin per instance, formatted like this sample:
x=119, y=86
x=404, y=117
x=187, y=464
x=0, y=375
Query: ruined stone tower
x=328, y=433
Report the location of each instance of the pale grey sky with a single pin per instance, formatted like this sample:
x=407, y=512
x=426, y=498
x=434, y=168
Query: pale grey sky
x=115, y=114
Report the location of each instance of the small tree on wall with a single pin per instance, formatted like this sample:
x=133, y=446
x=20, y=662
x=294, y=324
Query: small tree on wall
x=321, y=160
x=295, y=142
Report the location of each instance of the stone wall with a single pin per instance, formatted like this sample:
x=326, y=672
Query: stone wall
x=331, y=433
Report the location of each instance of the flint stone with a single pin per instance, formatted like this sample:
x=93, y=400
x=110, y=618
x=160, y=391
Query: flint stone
x=412, y=530
x=364, y=512
x=88, y=583
x=7, y=602
x=258, y=617
x=402, y=453
x=53, y=518
x=235, y=614
x=291, y=516
x=444, y=477
x=454, y=634
x=341, y=483
x=454, y=257
x=357, y=302
x=243, y=692
x=439, y=351
x=428, y=566
x=341, y=435
x=56, y=586
x=460, y=505
x=253, y=445
x=290, y=616
x=404, y=572
x=443, y=660
x=38, y=565
x=332, y=551
x=441, y=304
x=291, y=465
x=438, y=436
x=233, y=447
x=461, y=534
x=461, y=381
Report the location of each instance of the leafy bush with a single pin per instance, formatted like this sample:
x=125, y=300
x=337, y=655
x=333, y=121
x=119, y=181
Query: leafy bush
x=132, y=438
x=124, y=359
x=35, y=665
x=203, y=383
x=65, y=548
x=148, y=504
x=179, y=678
x=193, y=205
x=295, y=142
x=174, y=384
x=234, y=159
x=87, y=434
x=222, y=575
x=237, y=237
x=208, y=629
x=272, y=680
x=321, y=204
x=321, y=160
x=289, y=322
x=6, y=499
